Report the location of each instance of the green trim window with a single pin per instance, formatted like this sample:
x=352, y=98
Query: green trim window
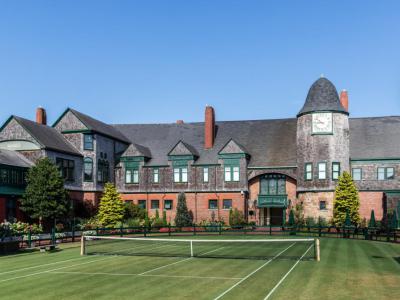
x=335, y=170
x=232, y=173
x=88, y=169
x=322, y=170
x=227, y=204
x=155, y=204
x=142, y=204
x=180, y=174
x=12, y=176
x=88, y=141
x=132, y=175
x=205, y=174
x=385, y=173
x=356, y=173
x=168, y=204
x=156, y=176
x=322, y=205
x=273, y=184
x=66, y=168
x=103, y=170
x=213, y=204
x=308, y=171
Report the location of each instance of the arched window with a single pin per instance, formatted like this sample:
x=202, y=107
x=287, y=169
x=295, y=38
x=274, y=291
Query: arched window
x=88, y=169
x=273, y=184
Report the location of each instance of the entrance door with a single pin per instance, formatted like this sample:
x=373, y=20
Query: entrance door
x=276, y=215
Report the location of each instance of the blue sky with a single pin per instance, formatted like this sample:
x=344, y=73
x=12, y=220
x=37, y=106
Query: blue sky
x=159, y=61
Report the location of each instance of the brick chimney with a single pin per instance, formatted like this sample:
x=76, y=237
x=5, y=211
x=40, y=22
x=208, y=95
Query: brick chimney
x=179, y=122
x=344, y=99
x=209, y=127
x=41, y=116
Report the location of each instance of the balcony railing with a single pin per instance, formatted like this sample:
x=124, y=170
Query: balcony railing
x=272, y=201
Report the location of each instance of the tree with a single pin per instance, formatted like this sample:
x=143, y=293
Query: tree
x=183, y=217
x=372, y=222
x=133, y=211
x=394, y=223
x=291, y=218
x=346, y=200
x=164, y=218
x=111, y=208
x=236, y=217
x=45, y=197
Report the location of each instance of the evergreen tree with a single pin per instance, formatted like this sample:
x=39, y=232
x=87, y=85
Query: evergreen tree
x=111, y=208
x=45, y=197
x=291, y=218
x=183, y=217
x=372, y=222
x=346, y=200
x=164, y=218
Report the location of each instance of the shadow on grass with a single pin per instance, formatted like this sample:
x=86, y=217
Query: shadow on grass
x=397, y=259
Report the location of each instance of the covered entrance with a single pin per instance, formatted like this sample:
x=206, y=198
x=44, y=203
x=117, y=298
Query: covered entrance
x=272, y=199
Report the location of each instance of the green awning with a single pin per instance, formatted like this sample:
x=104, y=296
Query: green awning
x=272, y=201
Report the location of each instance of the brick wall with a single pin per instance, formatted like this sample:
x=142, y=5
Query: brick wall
x=371, y=201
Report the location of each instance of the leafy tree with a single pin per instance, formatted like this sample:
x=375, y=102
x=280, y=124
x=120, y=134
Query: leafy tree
x=133, y=211
x=183, y=217
x=111, y=208
x=372, y=222
x=45, y=197
x=236, y=217
x=346, y=200
x=299, y=214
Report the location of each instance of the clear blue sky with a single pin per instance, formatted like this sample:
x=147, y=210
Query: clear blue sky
x=158, y=61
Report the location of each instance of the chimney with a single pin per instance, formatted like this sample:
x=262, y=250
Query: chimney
x=179, y=121
x=209, y=127
x=344, y=99
x=41, y=116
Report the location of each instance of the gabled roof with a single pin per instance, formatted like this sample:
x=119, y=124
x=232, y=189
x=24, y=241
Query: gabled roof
x=137, y=150
x=13, y=158
x=96, y=126
x=233, y=147
x=322, y=96
x=46, y=136
x=182, y=148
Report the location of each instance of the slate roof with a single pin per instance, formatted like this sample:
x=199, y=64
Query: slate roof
x=100, y=127
x=322, y=96
x=377, y=137
x=268, y=142
x=137, y=150
x=13, y=158
x=47, y=136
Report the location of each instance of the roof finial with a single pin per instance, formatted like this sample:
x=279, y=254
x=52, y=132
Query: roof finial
x=322, y=75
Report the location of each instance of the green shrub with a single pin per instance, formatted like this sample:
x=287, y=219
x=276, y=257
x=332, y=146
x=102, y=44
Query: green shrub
x=133, y=211
x=236, y=217
x=310, y=221
x=322, y=222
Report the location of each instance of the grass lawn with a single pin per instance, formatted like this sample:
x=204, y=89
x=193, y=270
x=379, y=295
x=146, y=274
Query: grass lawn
x=349, y=269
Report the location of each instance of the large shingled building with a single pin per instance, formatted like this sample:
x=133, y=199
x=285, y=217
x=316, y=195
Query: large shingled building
x=261, y=167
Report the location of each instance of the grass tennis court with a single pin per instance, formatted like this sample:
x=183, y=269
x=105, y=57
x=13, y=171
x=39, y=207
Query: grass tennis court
x=349, y=269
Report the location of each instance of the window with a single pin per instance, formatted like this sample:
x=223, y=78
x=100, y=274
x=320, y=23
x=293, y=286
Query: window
x=213, y=204
x=273, y=184
x=322, y=170
x=142, y=204
x=385, y=173
x=155, y=204
x=308, y=171
x=88, y=142
x=335, y=170
x=167, y=204
x=356, y=173
x=9, y=176
x=322, y=205
x=156, y=178
x=232, y=173
x=66, y=168
x=103, y=170
x=88, y=169
x=205, y=174
x=227, y=204
x=132, y=175
x=181, y=174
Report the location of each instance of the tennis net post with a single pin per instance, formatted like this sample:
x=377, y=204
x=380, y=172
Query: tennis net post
x=317, y=250
x=83, y=252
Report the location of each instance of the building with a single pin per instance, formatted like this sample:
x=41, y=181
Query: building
x=261, y=167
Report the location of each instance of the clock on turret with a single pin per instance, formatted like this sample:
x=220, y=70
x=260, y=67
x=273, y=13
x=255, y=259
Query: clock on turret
x=322, y=123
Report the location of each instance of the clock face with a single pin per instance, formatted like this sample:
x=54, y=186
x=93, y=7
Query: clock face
x=322, y=123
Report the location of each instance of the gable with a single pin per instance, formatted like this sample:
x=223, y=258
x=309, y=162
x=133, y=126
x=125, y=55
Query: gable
x=182, y=149
x=232, y=147
x=135, y=150
x=12, y=131
x=69, y=122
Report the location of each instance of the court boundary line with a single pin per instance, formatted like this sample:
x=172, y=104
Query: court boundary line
x=287, y=274
x=148, y=275
x=249, y=275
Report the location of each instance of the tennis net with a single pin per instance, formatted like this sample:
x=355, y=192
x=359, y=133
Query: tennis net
x=302, y=248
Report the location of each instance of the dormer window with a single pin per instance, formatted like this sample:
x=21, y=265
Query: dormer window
x=87, y=141
x=180, y=174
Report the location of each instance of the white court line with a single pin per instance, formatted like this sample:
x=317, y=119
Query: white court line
x=48, y=271
x=177, y=262
x=147, y=275
x=244, y=278
x=286, y=275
